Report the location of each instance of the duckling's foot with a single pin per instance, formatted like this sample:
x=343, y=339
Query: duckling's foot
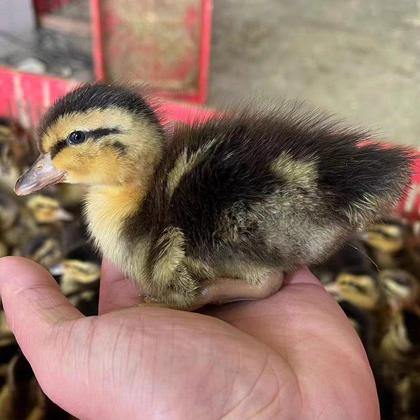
x=225, y=290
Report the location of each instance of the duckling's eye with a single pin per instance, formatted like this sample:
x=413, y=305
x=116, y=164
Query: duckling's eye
x=76, y=137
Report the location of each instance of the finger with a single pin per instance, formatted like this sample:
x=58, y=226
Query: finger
x=302, y=276
x=116, y=292
x=32, y=301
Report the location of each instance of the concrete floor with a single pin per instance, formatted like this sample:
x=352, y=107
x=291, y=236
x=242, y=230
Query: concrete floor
x=356, y=58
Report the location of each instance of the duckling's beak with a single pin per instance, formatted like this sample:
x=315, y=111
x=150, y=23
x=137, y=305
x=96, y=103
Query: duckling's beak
x=38, y=176
x=333, y=289
x=63, y=215
x=57, y=269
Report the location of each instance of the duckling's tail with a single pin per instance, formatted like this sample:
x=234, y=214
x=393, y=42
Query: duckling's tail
x=378, y=177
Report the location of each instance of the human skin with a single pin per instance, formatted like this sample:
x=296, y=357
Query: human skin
x=291, y=356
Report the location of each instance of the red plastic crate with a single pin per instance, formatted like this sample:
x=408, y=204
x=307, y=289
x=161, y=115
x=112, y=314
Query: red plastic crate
x=24, y=93
x=176, y=67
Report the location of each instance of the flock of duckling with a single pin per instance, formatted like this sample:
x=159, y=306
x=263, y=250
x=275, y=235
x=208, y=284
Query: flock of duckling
x=47, y=229
x=235, y=198
x=376, y=280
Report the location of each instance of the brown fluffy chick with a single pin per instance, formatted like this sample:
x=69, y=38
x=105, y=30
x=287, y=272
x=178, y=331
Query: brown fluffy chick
x=211, y=213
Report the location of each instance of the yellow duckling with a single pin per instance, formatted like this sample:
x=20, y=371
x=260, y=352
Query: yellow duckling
x=47, y=210
x=76, y=275
x=238, y=198
x=362, y=290
x=393, y=245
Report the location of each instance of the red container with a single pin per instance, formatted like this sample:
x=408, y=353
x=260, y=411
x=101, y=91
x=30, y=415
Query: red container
x=25, y=95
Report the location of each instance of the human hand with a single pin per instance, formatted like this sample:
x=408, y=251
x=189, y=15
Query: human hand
x=292, y=356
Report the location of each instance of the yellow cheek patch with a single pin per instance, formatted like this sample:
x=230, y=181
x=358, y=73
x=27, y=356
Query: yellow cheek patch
x=90, y=163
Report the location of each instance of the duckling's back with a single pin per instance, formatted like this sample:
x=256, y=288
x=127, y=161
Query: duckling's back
x=272, y=190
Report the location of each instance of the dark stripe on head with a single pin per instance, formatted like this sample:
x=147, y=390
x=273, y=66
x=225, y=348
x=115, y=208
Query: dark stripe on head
x=99, y=96
x=92, y=134
x=101, y=132
x=57, y=148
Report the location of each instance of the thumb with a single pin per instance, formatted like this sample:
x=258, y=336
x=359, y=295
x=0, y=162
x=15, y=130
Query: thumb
x=33, y=304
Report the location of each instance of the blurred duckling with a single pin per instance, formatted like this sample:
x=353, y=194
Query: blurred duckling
x=39, y=216
x=393, y=245
x=43, y=249
x=401, y=288
x=236, y=198
x=8, y=166
x=76, y=275
x=400, y=352
x=351, y=256
x=17, y=150
x=18, y=395
x=401, y=344
x=364, y=291
x=47, y=210
x=9, y=211
x=360, y=289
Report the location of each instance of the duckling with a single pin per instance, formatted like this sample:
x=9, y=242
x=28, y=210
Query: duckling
x=79, y=271
x=393, y=245
x=47, y=210
x=43, y=249
x=364, y=291
x=401, y=288
x=17, y=149
x=18, y=395
x=400, y=352
x=39, y=216
x=8, y=166
x=351, y=256
x=401, y=344
x=9, y=211
x=75, y=274
x=360, y=289
x=210, y=214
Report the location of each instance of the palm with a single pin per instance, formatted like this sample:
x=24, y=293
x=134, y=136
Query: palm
x=290, y=356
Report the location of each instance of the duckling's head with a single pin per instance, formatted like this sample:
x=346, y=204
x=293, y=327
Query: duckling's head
x=78, y=271
x=46, y=209
x=400, y=287
x=98, y=134
x=360, y=289
x=387, y=236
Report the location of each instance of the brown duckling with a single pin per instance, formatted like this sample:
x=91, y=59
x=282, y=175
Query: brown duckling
x=236, y=198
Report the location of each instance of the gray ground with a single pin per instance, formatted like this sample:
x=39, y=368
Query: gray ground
x=357, y=58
